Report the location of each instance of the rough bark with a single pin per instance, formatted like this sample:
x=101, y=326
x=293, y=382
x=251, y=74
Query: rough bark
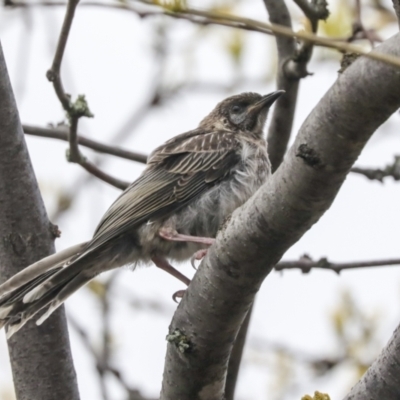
x=382, y=380
x=278, y=138
x=40, y=356
x=260, y=232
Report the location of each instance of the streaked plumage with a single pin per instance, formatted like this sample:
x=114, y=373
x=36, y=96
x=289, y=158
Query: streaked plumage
x=191, y=184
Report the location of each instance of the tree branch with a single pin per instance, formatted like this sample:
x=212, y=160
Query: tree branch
x=262, y=27
x=79, y=108
x=40, y=356
x=392, y=170
x=62, y=134
x=278, y=137
x=98, y=173
x=382, y=380
x=306, y=264
x=281, y=124
x=313, y=10
x=235, y=358
x=396, y=6
x=206, y=17
x=207, y=320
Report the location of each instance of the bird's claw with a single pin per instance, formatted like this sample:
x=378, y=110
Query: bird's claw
x=199, y=255
x=179, y=294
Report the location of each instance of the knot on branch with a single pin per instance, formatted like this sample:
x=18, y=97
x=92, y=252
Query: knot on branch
x=51, y=75
x=320, y=8
x=79, y=108
x=75, y=157
x=309, y=155
x=347, y=60
x=180, y=340
x=54, y=230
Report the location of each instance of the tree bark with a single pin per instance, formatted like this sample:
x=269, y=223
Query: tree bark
x=382, y=380
x=40, y=356
x=259, y=233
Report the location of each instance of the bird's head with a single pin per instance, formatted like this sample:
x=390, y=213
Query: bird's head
x=245, y=112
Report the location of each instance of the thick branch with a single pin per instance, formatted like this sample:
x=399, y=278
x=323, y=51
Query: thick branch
x=382, y=380
x=40, y=356
x=301, y=190
x=278, y=138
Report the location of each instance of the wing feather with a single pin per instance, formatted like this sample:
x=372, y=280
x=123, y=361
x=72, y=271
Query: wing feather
x=177, y=172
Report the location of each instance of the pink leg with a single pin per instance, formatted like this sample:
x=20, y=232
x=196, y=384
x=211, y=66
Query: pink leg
x=173, y=235
x=199, y=255
x=163, y=264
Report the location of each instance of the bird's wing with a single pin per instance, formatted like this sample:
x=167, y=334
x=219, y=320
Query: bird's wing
x=177, y=172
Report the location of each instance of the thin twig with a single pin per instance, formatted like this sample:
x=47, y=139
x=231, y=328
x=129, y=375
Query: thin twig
x=132, y=393
x=359, y=30
x=62, y=134
x=251, y=25
x=391, y=170
x=306, y=264
x=83, y=161
x=258, y=26
x=53, y=74
x=79, y=108
x=98, y=173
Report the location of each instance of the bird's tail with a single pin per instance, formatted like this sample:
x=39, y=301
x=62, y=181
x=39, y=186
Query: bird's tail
x=46, y=283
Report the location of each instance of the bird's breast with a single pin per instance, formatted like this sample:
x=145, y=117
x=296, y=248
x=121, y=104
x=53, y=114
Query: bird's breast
x=207, y=213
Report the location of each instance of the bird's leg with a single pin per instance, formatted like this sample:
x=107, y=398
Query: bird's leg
x=163, y=264
x=199, y=255
x=173, y=235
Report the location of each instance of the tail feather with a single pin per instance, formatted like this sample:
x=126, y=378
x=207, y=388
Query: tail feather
x=67, y=290
x=47, y=283
x=17, y=295
x=19, y=319
x=40, y=267
x=59, y=278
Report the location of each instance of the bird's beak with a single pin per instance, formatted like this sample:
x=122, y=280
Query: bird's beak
x=265, y=102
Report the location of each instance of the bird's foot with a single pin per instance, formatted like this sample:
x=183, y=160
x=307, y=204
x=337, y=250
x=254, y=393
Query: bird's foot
x=199, y=255
x=173, y=235
x=179, y=294
x=163, y=264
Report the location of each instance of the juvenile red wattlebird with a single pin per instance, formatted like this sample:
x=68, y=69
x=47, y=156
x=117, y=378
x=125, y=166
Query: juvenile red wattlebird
x=191, y=184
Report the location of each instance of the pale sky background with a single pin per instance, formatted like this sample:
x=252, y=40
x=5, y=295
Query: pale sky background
x=109, y=59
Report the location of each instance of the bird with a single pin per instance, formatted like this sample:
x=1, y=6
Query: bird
x=190, y=186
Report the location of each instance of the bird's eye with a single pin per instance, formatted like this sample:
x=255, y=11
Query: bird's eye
x=236, y=109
